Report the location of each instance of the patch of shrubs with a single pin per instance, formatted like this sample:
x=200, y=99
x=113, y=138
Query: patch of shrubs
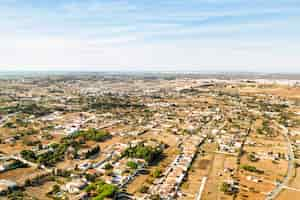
x=141, y=151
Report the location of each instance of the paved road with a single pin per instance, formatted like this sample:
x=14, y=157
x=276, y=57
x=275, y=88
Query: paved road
x=272, y=195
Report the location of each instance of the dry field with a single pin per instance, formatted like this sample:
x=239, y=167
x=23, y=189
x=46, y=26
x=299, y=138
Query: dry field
x=41, y=191
x=272, y=171
x=295, y=187
x=216, y=176
x=199, y=169
x=278, y=90
x=19, y=175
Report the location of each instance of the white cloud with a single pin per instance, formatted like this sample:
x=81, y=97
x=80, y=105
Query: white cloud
x=174, y=34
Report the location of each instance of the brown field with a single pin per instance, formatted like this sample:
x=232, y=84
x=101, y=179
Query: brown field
x=278, y=90
x=272, y=172
x=199, y=169
x=295, y=184
x=41, y=191
x=13, y=148
x=212, y=188
x=253, y=191
x=19, y=175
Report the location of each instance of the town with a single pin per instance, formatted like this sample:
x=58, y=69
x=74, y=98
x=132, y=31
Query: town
x=149, y=137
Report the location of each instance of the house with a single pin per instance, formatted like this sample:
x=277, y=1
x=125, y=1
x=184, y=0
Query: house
x=10, y=140
x=6, y=185
x=85, y=153
x=6, y=164
x=82, y=196
x=76, y=185
x=84, y=166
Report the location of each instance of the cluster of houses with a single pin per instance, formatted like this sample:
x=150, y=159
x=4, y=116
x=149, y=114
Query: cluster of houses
x=73, y=125
x=229, y=143
x=75, y=185
x=122, y=174
x=5, y=164
x=51, y=117
x=168, y=185
x=6, y=185
x=270, y=155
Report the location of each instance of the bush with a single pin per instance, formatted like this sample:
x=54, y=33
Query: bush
x=55, y=189
x=108, y=166
x=93, y=151
x=155, y=197
x=249, y=168
x=252, y=169
x=225, y=187
x=251, y=157
x=28, y=155
x=92, y=134
x=132, y=165
x=147, y=153
x=49, y=158
x=143, y=189
x=17, y=164
x=102, y=190
x=156, y=173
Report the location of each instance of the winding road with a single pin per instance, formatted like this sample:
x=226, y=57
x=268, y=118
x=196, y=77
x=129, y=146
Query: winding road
x=291, y=158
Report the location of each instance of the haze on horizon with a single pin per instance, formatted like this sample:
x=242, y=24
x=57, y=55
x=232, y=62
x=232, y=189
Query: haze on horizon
x=192, y=35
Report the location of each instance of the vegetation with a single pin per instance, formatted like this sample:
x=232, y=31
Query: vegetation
x=108, y=166
x=225, y=187
x=155, y=197
x=132, y=165
x=55, y=189
x=147, y=153
x=101, y=190
x=10, y=125
x=143, y=189
x=252, y=169
x=28, y=155
x=39, y=179
x=93, y=151
x=112, y=102
x=16, y=195
x=156, y=173
x=93, y=135
x=55, y=153
x=252, y=157
x=28, y=108
x=228, y=189
x=17, y=164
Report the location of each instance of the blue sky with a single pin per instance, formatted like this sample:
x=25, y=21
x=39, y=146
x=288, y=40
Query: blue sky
x=198, y=35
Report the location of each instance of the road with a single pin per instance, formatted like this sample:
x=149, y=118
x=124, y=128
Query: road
x=5, y=118
x=201, y=189
x=31, y=164
x=273, y=194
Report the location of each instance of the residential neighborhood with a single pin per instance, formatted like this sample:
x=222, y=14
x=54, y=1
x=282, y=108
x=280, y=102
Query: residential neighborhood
x=149, y=137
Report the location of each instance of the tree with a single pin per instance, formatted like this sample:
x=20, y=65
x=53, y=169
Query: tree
x=156, y=173
x=102, y=190
x=108, y=166
x=143, y=189
x=28, y=155
x=225, y=187
x=132, y=165
x=155, y=197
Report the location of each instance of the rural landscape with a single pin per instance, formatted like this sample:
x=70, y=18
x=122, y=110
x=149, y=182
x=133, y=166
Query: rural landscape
x=149, y=136
x=149, y=100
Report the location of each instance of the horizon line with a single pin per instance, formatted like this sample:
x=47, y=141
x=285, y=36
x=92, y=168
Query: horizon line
x=148, y=71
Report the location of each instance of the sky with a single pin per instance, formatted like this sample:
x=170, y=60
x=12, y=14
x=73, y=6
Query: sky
x=150, y=35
